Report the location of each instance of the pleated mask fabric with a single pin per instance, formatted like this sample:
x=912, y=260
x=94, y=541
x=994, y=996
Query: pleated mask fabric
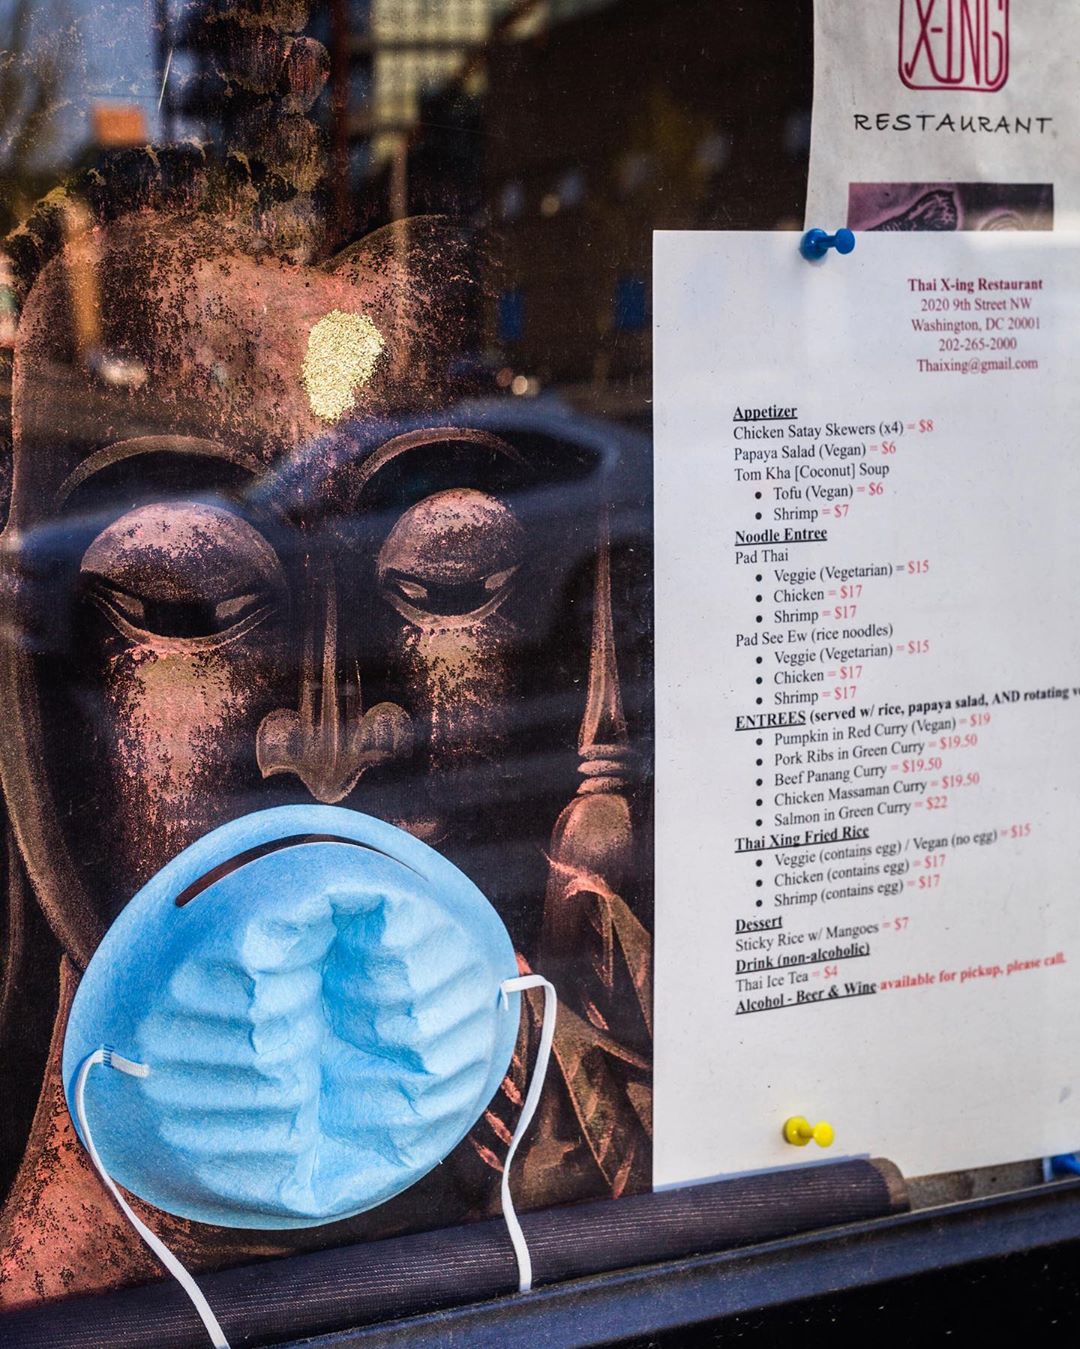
x=317, y=999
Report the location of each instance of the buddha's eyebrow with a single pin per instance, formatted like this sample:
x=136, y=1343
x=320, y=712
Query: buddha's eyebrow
x=421, y=438
x=324, y=468
x=120, y=450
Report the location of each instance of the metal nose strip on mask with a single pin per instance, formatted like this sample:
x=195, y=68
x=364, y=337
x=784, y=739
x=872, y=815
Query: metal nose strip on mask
x=208, y=878
x=107, y=1058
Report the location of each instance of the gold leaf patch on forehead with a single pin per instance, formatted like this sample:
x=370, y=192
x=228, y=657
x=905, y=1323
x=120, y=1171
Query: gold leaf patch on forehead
x=342, y=352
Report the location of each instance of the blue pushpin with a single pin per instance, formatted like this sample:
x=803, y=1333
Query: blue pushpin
x=816, y=243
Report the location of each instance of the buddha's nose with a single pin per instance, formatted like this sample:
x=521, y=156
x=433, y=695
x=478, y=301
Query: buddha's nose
x=328, y=741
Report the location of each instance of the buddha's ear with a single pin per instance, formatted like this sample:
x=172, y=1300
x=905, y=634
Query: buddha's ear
x=29, y=995
x=6, y=363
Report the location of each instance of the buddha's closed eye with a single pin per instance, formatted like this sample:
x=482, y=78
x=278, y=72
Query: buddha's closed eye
x=184, y=571
x=453, y=555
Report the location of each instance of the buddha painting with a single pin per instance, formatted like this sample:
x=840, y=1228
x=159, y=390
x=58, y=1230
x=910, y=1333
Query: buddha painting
x=261, y=550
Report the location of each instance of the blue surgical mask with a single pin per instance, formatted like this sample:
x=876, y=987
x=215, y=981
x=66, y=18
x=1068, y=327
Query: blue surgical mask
x=309, y=1009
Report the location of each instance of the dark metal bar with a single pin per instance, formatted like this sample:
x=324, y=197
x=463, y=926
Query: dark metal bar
x=311, y=1294
x=713, y=1288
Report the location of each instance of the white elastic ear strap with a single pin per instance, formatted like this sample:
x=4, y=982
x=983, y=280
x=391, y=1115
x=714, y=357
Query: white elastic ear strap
x=108, y=1059
x=532, y=1100
x=175, y=1268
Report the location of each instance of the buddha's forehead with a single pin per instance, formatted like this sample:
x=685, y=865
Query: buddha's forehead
x=165, y=327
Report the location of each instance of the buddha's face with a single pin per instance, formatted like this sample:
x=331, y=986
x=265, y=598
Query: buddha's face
x=248, y=565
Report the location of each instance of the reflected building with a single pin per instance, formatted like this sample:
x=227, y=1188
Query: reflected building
x=494, y=111
x=579, y=171
x=417, y=47
x=394, y=57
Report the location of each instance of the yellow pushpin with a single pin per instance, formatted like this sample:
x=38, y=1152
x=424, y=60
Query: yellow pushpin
x=799, y=1131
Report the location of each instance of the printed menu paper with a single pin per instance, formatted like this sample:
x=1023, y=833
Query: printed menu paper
x=868, y=700
x=945, y=115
